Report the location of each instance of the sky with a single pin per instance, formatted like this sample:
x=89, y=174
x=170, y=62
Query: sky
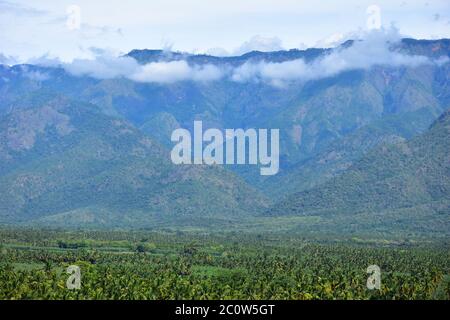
x=70, y=29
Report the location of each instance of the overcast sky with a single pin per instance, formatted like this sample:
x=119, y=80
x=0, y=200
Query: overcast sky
x=34, y=28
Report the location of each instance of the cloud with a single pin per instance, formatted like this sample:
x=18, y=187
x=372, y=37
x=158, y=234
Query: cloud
x=7, y=60
x=7, y=7
x=374, y=48
x=260, y=43
x=89, y=31
x=256, y=43
x=107, y=65
x=377, y=47
x=103, y=67
x=167, y=72
x=29, y=29
x=331, y=41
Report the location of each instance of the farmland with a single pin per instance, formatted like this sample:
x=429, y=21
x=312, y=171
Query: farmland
x=183, y=265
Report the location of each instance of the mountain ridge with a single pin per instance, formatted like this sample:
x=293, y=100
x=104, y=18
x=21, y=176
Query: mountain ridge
x=326, y=126
x=157, y=55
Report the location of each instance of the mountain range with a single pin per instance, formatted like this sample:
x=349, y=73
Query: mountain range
x=365, y=148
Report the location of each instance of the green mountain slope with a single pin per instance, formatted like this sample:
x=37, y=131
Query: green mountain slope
x=411, y=177
x=340, y=154
x=66, y=163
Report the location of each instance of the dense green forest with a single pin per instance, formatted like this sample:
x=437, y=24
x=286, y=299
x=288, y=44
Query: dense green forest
x=180, y=265
x=407, y=182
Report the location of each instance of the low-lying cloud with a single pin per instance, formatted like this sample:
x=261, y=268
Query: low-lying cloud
x=372, y=49
x=167, y=72
x=108, y=66
x=375, y=49
x=103, y=67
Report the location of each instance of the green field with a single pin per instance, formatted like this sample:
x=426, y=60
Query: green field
x=181, y=265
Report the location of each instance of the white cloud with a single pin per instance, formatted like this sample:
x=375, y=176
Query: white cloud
x=103, y=67
x=167, y=72
x=331, y=41
x=104, y=64
x=377, y=47
x=7, y=60
x=373, y=48
x=32, y=28
x=260, y=43
x=7, y=7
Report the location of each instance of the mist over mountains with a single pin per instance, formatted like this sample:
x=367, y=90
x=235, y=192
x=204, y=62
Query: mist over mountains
x=363, y=139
